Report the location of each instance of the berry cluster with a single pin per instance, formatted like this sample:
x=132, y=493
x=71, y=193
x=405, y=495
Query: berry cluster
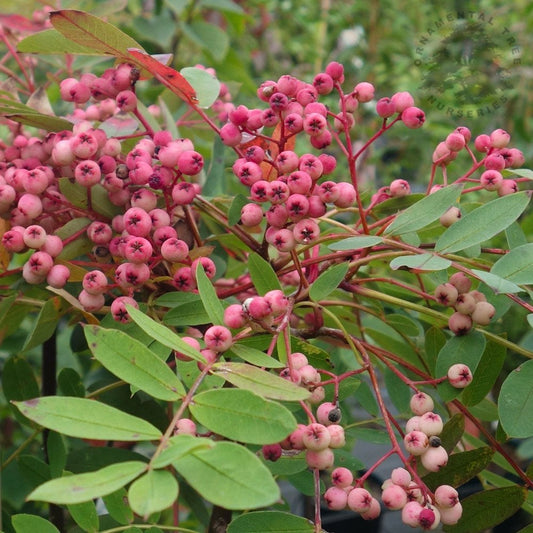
x=471, y=306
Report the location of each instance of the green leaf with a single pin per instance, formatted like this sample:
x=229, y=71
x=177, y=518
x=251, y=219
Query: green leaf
x=44, y=327
x=263, y=276
x=516, y=266
x=425, y=211
x=397, y=391
x=207, y=87
x=452, y=431
x=178, y=446
x=210, y=37
x=190, y=314
x=57, y=454
x=254, y=356
x=92, y=32
x=28, y=523
x=497, y=283
x=229, y=475
x=486, y=373
x=485, y=509
x=270, y=521
x=483, y=223
x=234, y=211
x=515, y=402
x=215, y=181
x=70, y=383
x=515, y=236
x=434, y=340
x=18, y=379
x=162, y=334
x=355, y=243
x=154, y=491
x=52, y=42
x=211, y=301
x=461, y=468
x=466, y=349
x=522, y=172
x=421, y=262
x=242, y=416
x=328, y=281
x=316, y=356
x=86, y=419
x=262, y=383
x=222, y=5
x=80, y=488
x=85, y=515
x=117, y=506
x=133, y=362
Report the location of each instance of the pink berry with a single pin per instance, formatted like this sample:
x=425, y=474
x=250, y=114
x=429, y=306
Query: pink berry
x=429, y=518
x=421, y=403
x=416, y=442
x=434, y=458
x=191, y=341
x=451, y=216
x=459, y=376
x=342, y=477
x=482, y=143
x=316, y=437
x=364, y=91
x=34, y=236
x=385, y=107
x=491, y=180
x=314, y=124
x=499, y=138
x=190, y=162
x=320, y=459
x=413, y=117
x=402, y=101
x=394, y=497
x=218, y=338
x=455, y=142
x=271, y=452
x=461, y=282
x=251, y=215
x=446, y=294
x=91, y=302
x=337, y=436
x=336, y=498
x=399, y=188
x=137, y=222
x=347, y=195
x=278, y=303
x=450, y=515
x=118, y=308
x=322, y=413
x=483, y=313
x=431, y=424
x=58, y=276
x=459, y=323
x=183, y=193
x=413, y=424
x=400, y=476
x=126, y=101
x=446, y=496
x=373, y=512
x=465, y=303
x=234, y=316
x=174, y=250
x=185, y=426
x=359, y=500
x=230, y=134
x=507, y=186
x=411, y=513
x=94, y=282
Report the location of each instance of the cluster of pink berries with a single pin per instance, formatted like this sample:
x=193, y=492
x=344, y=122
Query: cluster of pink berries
x=471, y=306
x=498, y=157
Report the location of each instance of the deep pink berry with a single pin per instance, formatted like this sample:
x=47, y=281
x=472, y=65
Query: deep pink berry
x=218, y=338
x=413, y=117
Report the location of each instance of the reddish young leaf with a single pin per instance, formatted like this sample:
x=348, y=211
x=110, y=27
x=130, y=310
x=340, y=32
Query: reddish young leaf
x=166, y=75
x=19, y=23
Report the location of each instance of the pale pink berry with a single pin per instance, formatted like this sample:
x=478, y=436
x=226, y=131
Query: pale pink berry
x=336, y=498
x=459, y=376
x=58, y=276
x=482, y=143
x=310, y=375
x=461, y=282
x=342, y=477
x=34, y=236
x=337, y=436
x=449, y=516
x=84, y=144
x=306, y=231
x=316, y=437
x=446, y=294
x=183, y=193
x=359, y=500
x=421, y=403
x=191, y=341
x=251, y=215
x=296, y=438
x=126, y=101
x=499, y=138
x=13, y=241
x=411, y=513
x=317, y=396
x=394, y=497
x=413, y=424
x=283, y=240
x=455, y=141
x=322, y=413
x=185, y=426
x=218, y=338
x=465, y=303
x=446, y=496
x=30, y=205
x=431, y=424
x=483, y=313
x=400, y=476
x=320, y=459
x=278, y=303
x=433, y=459
x=91, y=302
x=450, y=216
x=494, y=162
x=416, y=442
x=373, y=512
x=402, y=101
x=234, y=316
